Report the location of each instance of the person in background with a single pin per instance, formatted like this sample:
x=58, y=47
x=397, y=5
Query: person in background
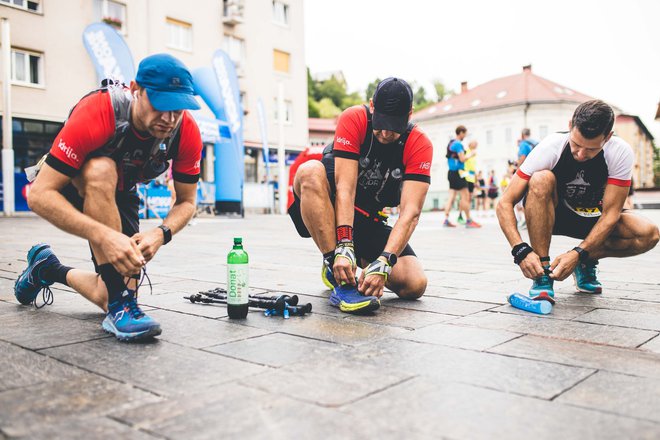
x=470, y=175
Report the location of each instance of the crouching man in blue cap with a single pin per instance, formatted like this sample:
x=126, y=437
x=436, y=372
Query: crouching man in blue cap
x=115, y=138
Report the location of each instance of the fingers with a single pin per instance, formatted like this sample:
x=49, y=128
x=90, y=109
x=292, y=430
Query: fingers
x=372, y=286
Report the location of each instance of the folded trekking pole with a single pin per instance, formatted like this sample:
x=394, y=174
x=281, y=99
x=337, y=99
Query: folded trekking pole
x=284, y=305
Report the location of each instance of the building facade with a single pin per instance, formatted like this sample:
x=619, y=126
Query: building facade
x=632, y=130
x=51, y=69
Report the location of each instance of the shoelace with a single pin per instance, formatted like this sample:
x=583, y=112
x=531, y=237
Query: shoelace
x=589, y=272
x=134, y=309
x=46, y=295
x=142, y=278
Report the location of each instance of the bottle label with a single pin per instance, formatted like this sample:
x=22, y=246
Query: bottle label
x=237, y=284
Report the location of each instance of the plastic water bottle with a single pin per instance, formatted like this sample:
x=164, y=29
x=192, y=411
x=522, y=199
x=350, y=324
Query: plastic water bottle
x=237, y=281
x=523, y=302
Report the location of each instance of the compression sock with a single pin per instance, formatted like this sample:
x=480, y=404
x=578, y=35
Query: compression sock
x=113, y=281
x=329, y=259
x=56, y=273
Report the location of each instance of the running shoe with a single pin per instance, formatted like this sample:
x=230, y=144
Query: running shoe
x=327, y=277
x=542, y=284
x=471, y=224
x=448, y=224
x=30, y=282
x=349, y=300
x=460, y=220
x=127, y=321
x=585, y=278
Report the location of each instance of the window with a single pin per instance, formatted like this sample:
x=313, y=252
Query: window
x=114, y=14
x=26, y=67
x=235, y=48
x=280, y=13
x=179, y=35
x=29, y=5
x=281, y=61
x=543, y=131
x=489, y=137
x=288, y=111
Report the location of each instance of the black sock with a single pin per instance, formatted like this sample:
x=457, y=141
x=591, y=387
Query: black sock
x=56, y=273
x=329, y=259
x=113, y=281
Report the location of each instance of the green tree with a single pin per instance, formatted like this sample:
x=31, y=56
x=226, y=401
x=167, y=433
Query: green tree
x=441, y=90
x=332, y=88
x=351, y=100
x=313, y=108
x=328, y=109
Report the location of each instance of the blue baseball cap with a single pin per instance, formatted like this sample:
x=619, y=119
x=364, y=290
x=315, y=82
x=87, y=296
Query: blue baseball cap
x=168, y=82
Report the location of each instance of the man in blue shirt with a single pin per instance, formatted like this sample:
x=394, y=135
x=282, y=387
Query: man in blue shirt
x=456, y=158
x=525, y=146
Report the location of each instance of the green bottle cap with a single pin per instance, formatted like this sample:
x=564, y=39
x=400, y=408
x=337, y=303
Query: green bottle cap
x=238, y=240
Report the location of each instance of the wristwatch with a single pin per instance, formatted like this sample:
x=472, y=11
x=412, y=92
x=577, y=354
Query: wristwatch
x=167, y=234
x=582, y=254
x=390, y=257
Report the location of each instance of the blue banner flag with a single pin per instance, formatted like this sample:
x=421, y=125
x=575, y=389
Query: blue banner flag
x=111, y=56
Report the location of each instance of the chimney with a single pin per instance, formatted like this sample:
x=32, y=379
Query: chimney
x=464, y=87
x=527, y=68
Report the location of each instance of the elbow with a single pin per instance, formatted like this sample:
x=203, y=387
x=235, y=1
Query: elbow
x=35, y=200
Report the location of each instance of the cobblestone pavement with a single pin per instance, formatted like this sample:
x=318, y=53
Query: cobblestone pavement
x=459, y=363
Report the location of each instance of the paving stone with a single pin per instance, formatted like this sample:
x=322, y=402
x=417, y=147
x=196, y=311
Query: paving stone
x=636, y=397
x=160, y=367
x=605, y=302
x=333, y=381
x=404, y=318
x=28, y=409
x=275, y=349
x=36, y=329
x=199, y=332
x=648, y=295
x=439, y=305
x=235, y=411
x=21, y=367
x=174, y=301
x=653, y=345
x=460, y=336
x=88, y=428
x=484, y=369
x=577, y=331
x=601, y=357
x=647, y=321
x=467, y=412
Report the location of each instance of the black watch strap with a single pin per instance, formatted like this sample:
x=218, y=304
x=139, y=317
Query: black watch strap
x=391, y=258
x=167, y=234
x=582, y=254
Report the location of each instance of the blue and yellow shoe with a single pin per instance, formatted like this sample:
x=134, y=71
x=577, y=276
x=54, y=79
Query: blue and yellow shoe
x=127, y=321
x=585, y=278
x=30, y=282
x=349, y=300
x=327, y=277
x=542, y=284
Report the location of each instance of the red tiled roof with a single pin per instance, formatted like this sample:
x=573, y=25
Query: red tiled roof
x=509, y=90
x=321, y=124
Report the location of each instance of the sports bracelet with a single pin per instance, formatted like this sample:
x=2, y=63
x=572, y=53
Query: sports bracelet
x=520, y=251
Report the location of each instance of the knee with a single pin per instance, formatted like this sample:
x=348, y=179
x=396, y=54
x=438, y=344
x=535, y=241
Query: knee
x=99, y=175
x=414, y=290
x=310, y=177
x=652, y=237
x=542, y=184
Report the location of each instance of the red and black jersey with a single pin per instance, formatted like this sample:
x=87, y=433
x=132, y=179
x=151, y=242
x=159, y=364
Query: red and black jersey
x=382, y=167
x=91, y=126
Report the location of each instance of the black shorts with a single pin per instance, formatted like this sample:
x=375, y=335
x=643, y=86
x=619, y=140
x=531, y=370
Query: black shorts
x=369, y=235
x=128, y=204
x=570, y=224
x=470, y=187
x=455, y=180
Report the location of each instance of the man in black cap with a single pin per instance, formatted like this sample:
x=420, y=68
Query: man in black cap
x=115, y=138
x=378, y=159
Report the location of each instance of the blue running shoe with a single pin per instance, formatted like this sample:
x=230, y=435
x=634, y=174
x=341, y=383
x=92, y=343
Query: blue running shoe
x=30, y=282
x=585, y=278
x=328, y=278
x=127, y=322
x=542, y=284
x=349, y=300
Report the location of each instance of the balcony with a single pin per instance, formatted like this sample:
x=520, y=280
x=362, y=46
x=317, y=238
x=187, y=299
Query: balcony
x=232, y=13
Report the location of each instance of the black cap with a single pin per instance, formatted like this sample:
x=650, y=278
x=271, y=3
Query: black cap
x=393, y=100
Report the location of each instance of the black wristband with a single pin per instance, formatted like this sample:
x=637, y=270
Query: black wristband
x=520, y=251
x=167, y=234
